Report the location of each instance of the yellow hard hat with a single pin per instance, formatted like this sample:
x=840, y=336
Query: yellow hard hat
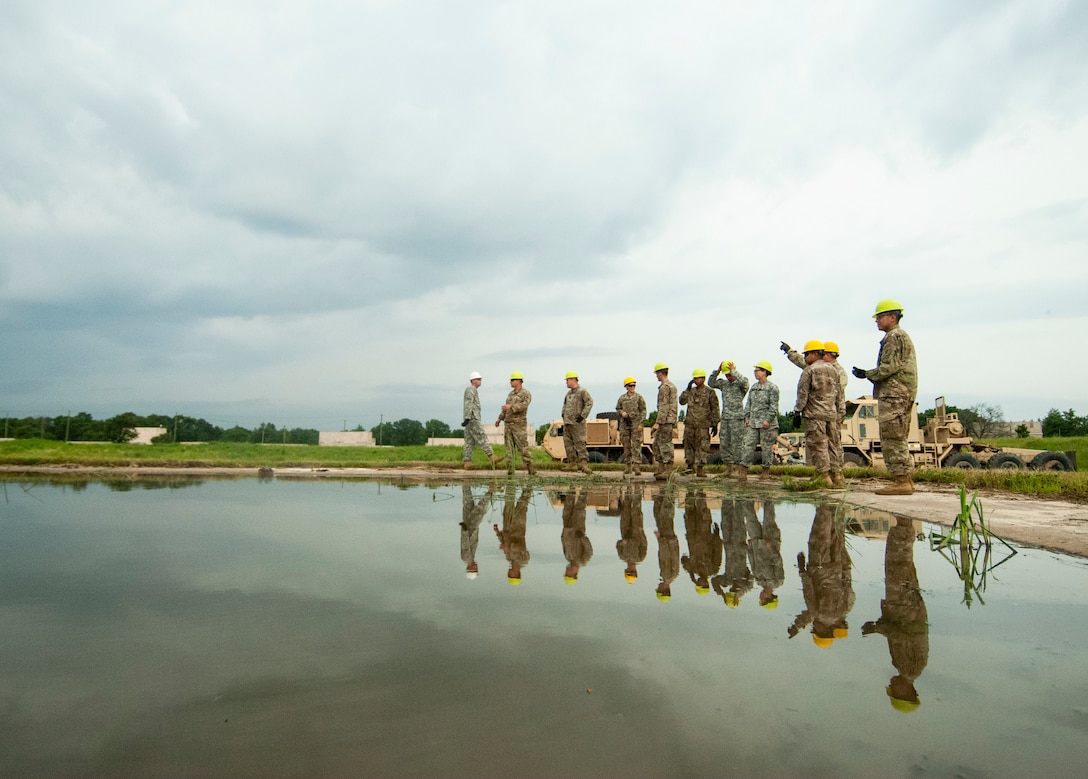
x=813, y=346
x=572, y=374
x=901, y=705
x=727, y=365
x=629, y=380
x=831, y=346
x=701, y=590
x=630, y=577
x=663, y=597
x=764, y=365
x=517, y=375
x=822, y=642
x=887, y=305
x=514, y=581
x=698, y=373
x=840, y=632
x=661, y=366
x=732, y=600
x=570, y=580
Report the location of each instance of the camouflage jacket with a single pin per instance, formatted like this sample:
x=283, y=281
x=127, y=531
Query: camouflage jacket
x=896, y=373
x=472, y=403
x=577, y=403
x=634, y=405
x=762, y=405
x=702, y=403
x=819, y=393
x=733, y=392
x=518, y=400
x=667, y=408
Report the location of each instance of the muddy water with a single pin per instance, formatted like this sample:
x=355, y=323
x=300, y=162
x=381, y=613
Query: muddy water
x=300, y=628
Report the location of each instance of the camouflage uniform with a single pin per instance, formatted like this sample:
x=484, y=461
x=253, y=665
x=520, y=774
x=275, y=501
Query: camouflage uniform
x=704, y=558
x=667, y=412
x=731, y=431
x=631, y=426
x=668, y=545
x=515, y=516
x=703, y=413
x=761, y=406
x=798, y=359
x=576, y=545
x=827, y=581
x=474, y=431
x=737, y=577
x=516, y=419
x=895, y=386
x=765, y=547
x=631, y=548
x=577, y=405
x=472, y=514
x=820, y=401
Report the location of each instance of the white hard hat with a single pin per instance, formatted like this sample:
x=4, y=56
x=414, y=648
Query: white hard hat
x=474, y=375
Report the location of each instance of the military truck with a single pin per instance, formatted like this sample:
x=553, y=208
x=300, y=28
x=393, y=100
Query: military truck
x=942, y=443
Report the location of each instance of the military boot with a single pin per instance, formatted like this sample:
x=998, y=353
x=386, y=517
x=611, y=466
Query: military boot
x=570, y=467
x=700, y=473
x=531, y=468
x=741, y=473
x=821, y=480
x=838, y=480
x=468, y=465
x=901, y=485
x=584, y=467
x=637, y=470
x=495, y=460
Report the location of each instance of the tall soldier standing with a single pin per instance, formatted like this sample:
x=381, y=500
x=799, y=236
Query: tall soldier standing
x=667, y=411
x=895, y=385
x=576, y=407
x=514, y=413
x=761, y=418
x=631, y=408
x=701, y=421
x=474, y=431
x=734, y=387
x=820, y=403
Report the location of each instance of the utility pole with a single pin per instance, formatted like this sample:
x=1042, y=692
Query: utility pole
x=381, y=417
x=67, y=425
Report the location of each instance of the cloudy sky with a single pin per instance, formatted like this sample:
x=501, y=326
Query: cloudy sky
x=322, y=213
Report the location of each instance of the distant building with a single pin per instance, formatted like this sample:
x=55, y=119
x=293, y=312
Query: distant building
x=494, y=435
x=145, y=434
x=1008, y=429
x=346, y=438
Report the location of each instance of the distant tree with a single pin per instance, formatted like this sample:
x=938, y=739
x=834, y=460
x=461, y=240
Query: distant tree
x=1022, y=431
x=785, y=423
x=408, y=432
x=121, y=429
x=650, y=419
x=982, y=420
x=1064, y=424
x=541, y=432
x=236, y=435
x=383, y=434
x=84, y=427
x=434, y=428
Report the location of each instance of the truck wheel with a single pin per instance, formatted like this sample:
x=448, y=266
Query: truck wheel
x=715, y=458
x=596, y=457
x=853, y=460
x=964, y=460
x=646, y=459
x=1005, y=461
x=1051, y=461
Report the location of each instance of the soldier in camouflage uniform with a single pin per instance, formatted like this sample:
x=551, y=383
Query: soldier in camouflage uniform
x=701, y=421
x=895, y=386
x=667, y=413
x=765, y=552
x=631, y=410
x=704, y=558
x=761, y=418
x=737, y=576
x=668, y=545
x=577, y=405
x=827, y=581
x=514, y=413
x=631, y=548
x=734, y=386
x=576, y=545
x=821, y=404
x=515, y=517
x=472, y=514
x=831, y=356
x=474, y=431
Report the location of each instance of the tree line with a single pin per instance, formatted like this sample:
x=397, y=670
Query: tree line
x=122, y=429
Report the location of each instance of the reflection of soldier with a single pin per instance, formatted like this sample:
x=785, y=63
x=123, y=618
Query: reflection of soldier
x=903, y=618
x=472, y=514
x=631, y=547
x=576, y=546
x=704, y=557
x=765, y=553
x=737, y=576
x=668, y=545
x=826, y=581
x=512, y=535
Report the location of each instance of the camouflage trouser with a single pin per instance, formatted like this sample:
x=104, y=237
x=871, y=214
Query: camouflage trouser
x=893, y=415
x=818, y=434
x=474, y=436
x=574, y=441
x=731, y=441
x=663, y=443
x=631, y=439
x=834, y=438
x=517, y=441
x=765, y=437
x=696, y=445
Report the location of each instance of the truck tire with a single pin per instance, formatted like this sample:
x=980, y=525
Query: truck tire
x=608, y=415
x=853, y=460
x=1051, y=461
x=1005, y=461
x=596, y=457
x=964, y=460
x=714, y=458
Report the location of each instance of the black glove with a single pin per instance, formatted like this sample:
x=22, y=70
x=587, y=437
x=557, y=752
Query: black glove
x=796, y=419
x=465, y=423
x=713, y=430
x=785, y=347
x=579, y=419
x=859, y=372
x=691, y=383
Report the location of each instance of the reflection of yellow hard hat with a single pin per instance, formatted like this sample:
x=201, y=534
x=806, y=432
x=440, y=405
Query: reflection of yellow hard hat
x=629, y=380
x=661, y=366
x=517, y=375
x=630, y=577
x=901, y=705
x=813, y=346
x=697, y=373
x=572, y=374
x=887, y=305
x=840, y=632
x=771, y=604
x=831, y=346
x=732, y=600
x=663, y=597
x=764, y=365
x=701, y=590
x=514, y=580
x=570, y=579
x=822, y=642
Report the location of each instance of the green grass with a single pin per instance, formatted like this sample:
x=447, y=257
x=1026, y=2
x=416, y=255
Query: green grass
x=1078, y=444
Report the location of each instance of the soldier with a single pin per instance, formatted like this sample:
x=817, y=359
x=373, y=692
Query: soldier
x=474, y=431
x=514, y=413
x=515, y=518
x=631, y=410
x=734, y=386
x=765, y=552
x=667, y=412
x=701, y=421
x=631, y=548
x=668, y=545
x=704, y=558
x=576, y=407
x=821, y=405
x=576, y=545
x=761, y=418
x=472, y=514
x=827, y=581
x=831, y=355
x=737, y=576
x=895, y=386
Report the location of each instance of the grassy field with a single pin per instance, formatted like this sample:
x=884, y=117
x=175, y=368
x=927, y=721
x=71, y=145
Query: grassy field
x=1071, y=486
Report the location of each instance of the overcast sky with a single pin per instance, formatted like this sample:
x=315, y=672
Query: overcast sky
x=322, y=213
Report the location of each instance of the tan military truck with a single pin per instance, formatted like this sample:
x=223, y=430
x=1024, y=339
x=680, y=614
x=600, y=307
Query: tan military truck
x=942, y=443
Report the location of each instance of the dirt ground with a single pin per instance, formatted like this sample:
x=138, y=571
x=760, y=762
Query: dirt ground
x=1049, y=524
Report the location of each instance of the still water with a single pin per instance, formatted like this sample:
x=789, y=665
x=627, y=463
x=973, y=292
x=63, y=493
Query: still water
x=359, y=628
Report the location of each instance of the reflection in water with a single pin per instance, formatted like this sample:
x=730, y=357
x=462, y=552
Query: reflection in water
x=472, y=514
x=704, y=557
x=512, y=535
x=903, y=618
x=736, y=580
x=576, y=546
x=668, y=545
x=632, y=546
x=826, y=581
x=765, y=552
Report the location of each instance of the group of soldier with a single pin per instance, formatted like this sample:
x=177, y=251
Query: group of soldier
x=746, y=419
